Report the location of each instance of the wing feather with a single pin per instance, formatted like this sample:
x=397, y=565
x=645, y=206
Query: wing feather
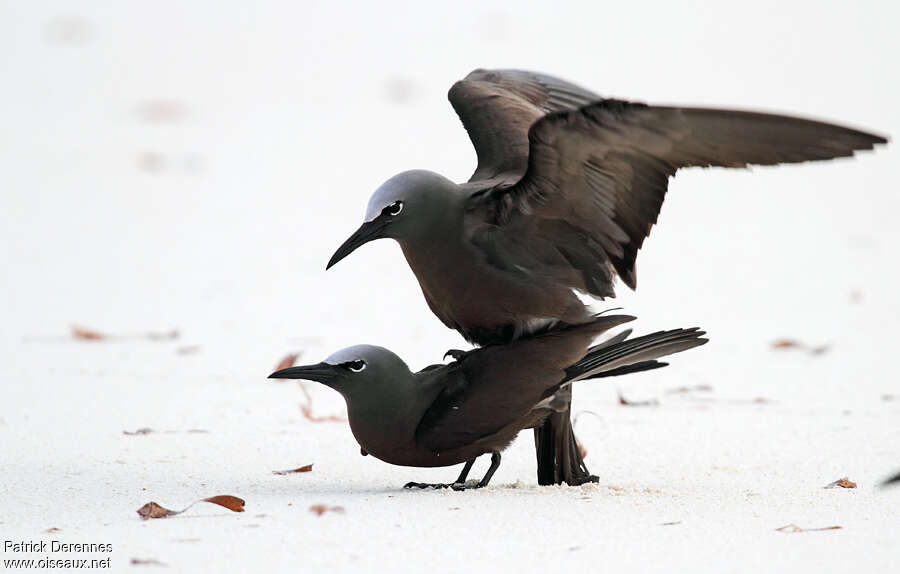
x=604, y=168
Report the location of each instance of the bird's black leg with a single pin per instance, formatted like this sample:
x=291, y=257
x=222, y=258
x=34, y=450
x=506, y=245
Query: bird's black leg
x=460, y=483
x=559, y=460
x=465, y=472
x=495, y=464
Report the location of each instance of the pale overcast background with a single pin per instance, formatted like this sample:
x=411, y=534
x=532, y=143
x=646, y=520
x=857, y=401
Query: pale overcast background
x=192, y=166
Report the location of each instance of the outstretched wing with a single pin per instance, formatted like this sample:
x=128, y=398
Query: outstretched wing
x=497, y=107
x=495, y=386
x=597, y=177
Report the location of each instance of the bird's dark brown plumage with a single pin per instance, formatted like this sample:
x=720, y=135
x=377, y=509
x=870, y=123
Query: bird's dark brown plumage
x=450, y=414
x=588, y=176
x=567, y=188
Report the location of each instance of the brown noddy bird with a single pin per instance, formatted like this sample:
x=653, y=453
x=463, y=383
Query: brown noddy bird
x=567, y=187
x=451, y=414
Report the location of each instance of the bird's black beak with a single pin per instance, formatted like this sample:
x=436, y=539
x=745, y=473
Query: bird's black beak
x=368, y=231
x=321, y=373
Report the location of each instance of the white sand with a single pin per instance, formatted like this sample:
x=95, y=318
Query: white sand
x=292, y=117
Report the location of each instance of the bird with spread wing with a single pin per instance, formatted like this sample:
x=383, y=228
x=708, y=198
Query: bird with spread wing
x=567, y=188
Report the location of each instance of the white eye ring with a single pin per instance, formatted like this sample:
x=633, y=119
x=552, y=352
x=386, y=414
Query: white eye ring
x=357, y=366
x=398, y=205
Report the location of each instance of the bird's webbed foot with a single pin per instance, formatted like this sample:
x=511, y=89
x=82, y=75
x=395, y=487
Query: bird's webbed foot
x=456, y=354
x=435, y=486
x=578, y=480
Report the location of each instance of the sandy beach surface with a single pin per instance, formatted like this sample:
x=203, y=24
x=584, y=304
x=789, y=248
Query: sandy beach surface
x=175, y=177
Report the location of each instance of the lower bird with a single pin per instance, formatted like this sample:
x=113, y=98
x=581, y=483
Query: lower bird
x=451, y=414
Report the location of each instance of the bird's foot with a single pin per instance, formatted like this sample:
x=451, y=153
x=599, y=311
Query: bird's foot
x=438, y=486
x=456, y=354
x=582, y=479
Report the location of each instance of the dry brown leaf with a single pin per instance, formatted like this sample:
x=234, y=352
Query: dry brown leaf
x=232, y=503
x=320, y=509
x=842, y=482
x=306, y=468
x=154, y=510
x=306, y=409
x=784, y=344
x=288, y=361
x=648, y=403
x=795, y=528
x=84, y=334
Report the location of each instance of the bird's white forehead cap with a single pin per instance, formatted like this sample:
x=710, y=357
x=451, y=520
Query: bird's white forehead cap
x=354, y=353
x=401, y=187
x=383, y=196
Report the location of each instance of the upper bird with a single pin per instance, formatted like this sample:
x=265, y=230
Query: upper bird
x=567, y=187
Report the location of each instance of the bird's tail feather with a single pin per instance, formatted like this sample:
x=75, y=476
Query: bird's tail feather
x=620, y=355
x=628, y=369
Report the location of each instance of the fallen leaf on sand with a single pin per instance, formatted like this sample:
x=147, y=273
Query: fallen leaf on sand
x=87, y=334
x=785, y=344
x=320, y=509
x=146, y=562
x=795, y=528
x=154, y=510
x=232, y=503
x=842, y=482
x=306, y=468
x=648, y=403
x=52, y=530
x=289, y=360
x=306, y=409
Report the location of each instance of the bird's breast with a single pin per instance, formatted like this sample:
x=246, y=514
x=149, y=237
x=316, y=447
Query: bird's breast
x=485, y=304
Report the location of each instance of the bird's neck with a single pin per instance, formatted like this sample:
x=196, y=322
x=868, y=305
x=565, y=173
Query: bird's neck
x=386, y=427
x=440, y=261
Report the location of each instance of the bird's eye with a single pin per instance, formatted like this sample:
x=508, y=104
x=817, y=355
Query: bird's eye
x=355, y=366
x=393, y=209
